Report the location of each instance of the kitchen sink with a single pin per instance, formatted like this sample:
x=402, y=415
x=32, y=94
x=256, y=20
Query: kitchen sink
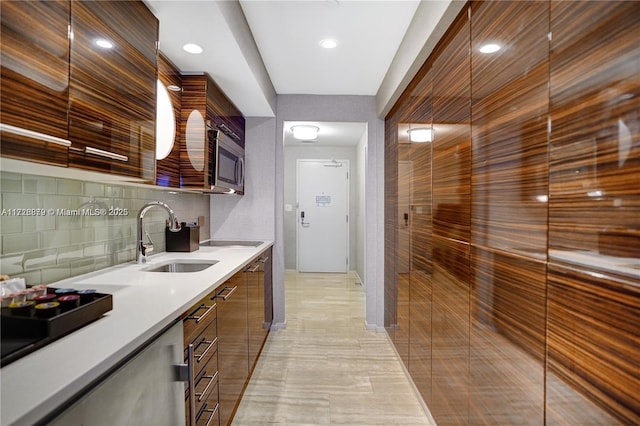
x=241, y=243
x=183, y=265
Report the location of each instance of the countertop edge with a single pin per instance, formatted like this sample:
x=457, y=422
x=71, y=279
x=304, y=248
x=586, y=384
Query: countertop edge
x=31, y=402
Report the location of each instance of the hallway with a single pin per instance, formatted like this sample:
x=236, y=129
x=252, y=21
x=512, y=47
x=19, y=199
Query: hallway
x=325, y=368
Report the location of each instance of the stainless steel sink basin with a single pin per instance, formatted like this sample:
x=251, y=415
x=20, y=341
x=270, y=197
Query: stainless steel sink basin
x=183, y=265
x=221, y=243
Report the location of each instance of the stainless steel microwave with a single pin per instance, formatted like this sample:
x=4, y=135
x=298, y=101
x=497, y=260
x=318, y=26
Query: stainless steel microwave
x=227, y=176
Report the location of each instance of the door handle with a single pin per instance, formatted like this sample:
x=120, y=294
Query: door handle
x=302, y=222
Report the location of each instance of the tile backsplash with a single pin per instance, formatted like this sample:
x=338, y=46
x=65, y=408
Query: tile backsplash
x=53, y=228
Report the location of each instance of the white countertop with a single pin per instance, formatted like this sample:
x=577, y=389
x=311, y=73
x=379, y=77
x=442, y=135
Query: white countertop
x=144, y=303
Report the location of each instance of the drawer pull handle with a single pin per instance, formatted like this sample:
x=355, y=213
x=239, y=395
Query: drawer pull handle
x=254, y=269
x=213, y=413
x=201, y=317
x=208, y=342
x=35, y=135
x=226, y=296
x=206, y=388
x=264, y=259
x=107, y=154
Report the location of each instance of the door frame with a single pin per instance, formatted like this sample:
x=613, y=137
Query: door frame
x=348, y=208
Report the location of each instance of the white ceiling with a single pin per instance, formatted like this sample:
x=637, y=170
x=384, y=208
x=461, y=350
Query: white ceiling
x=288, y=35
x=255, y=49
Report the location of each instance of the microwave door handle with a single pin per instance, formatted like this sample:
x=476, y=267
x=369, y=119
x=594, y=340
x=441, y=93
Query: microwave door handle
x=240, y=169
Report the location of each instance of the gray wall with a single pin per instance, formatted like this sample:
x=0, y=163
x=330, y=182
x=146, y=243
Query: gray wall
x=361, y=215
x=291, y=155
x=345, y=109
x=251, y=216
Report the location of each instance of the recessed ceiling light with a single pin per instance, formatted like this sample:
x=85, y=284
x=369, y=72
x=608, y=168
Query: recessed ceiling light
x=490, y=48
x=174, y=88
x=192, y=48
x=328, y=43
x=105, y=44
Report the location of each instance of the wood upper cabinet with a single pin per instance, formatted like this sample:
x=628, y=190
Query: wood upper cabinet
x=112, y=94
x=168, y=160
x=207, y=114
x=34, y=47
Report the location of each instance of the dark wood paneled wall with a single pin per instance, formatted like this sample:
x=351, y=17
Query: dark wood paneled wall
x=524, y=300
x=510, y=106
x=390, y=226
x=593, y=344
x=452, y=134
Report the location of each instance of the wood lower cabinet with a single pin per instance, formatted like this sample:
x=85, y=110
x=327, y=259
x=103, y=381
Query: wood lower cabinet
x=244, y=316
x=201, y=355
x=34, y=46
x=112, y=93
x=258, y=313
x=233, y=346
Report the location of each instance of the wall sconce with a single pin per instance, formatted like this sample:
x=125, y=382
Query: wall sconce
x=420, y=134
x=305, y=132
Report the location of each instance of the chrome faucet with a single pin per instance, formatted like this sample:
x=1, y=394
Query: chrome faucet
x=142, y=248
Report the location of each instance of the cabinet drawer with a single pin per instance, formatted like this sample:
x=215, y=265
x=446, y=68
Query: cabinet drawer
x=204, y=348
x=206, y=389
x=199, y=319
x=210, y=415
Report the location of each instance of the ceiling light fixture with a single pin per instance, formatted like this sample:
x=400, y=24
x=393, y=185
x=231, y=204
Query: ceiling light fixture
x=420, y=134
x=192, y=48
x=174, y=88
x=328, y=43
x=490, y=48
x=305, y=132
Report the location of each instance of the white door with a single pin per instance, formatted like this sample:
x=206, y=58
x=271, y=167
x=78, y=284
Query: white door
x=323, y=221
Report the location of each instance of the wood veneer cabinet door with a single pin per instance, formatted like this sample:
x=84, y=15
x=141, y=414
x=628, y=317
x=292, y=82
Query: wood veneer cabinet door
x=168, y=168
x=450, y=313
x=508, y=330
x=420, y=338
x=233, y=349
x=593, y=340
x=113, y=89
x=205, y=109
x=452, y=134
x=34, y=90
x=594, y=206
x=258, y=326
x=390, y=225
x=510, y=126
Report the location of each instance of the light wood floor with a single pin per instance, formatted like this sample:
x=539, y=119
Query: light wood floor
x=325, y=367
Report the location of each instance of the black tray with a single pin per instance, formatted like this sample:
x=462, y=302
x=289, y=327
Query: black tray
x=22, y=335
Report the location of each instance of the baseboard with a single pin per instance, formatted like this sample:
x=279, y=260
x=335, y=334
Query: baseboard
x=278, y=326
x=374, y=327
x=413, y=384
x=354, y=272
